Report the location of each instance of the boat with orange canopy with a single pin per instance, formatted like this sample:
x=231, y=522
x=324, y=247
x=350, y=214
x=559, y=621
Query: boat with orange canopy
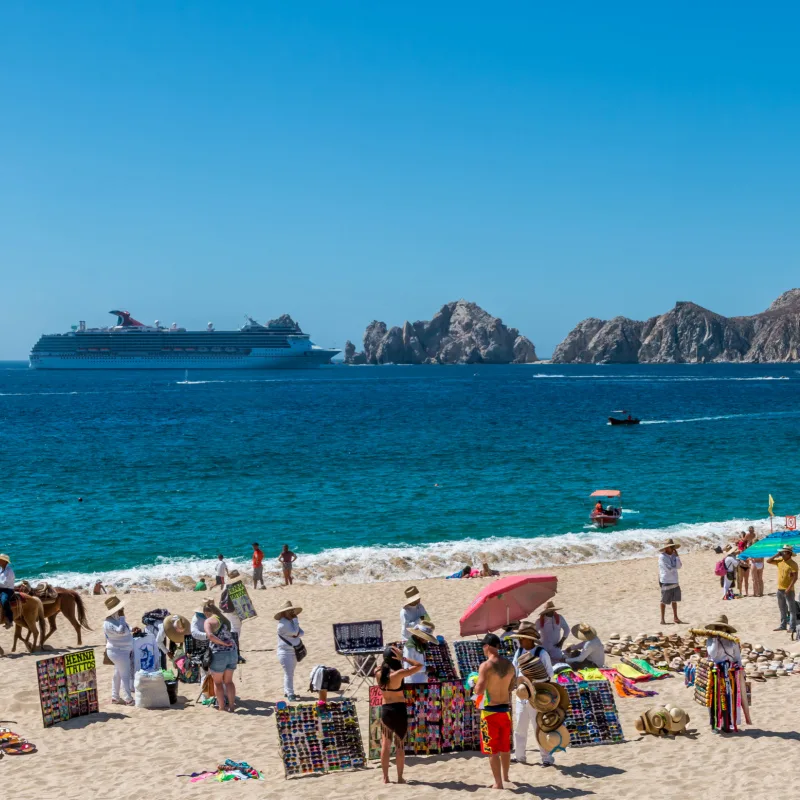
x=610, y=514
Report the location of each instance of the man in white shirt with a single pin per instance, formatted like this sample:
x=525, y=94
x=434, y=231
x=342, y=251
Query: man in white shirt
x=529, y=649
x=7, y=578
x=412, y=612
x=221, y=570
x=669, y=562
x=590, y=653
x=420, y=635
x=553, y=631
x=731, y=561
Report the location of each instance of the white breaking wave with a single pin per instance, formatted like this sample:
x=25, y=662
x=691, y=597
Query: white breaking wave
x=436, y=560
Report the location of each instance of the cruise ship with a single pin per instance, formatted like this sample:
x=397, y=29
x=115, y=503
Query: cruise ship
x=130, y=344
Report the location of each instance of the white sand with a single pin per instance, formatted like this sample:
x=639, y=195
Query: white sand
x=135, y=753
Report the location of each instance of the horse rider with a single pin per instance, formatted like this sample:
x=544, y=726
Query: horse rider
x=6, y=589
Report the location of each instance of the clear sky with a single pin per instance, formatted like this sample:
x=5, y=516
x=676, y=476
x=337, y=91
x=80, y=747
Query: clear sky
x=342, y=161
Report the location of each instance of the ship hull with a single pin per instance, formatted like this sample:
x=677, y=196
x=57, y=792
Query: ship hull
x=310, y=359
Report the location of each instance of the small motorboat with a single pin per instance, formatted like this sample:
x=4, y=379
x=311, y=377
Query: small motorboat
x=629, y=420
x=610, y=515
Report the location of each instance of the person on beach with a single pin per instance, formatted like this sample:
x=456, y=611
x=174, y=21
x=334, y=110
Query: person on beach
x=412, y=612
x=236, y=631
x=669, y=562
x=289, y=637
x=496, y=679
x=174, y=628
x=224, y=657
x=98, y=588
x=486, y=572
x=553, y=631
x=258, y=566
x=415, y=647
x=757, y=566
x=529, y=647
x=222, y=571
x=119, y=649
x=787, y=578
x=724, y=652
x=7, y=579
x=728, y=580
x=197, y=631
x=287, y=558
x=590, y=653
x=201, y=586
x=745, y=565
x=391, y=677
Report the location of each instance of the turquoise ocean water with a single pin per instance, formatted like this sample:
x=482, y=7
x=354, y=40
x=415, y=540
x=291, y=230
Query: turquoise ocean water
x=382, y=472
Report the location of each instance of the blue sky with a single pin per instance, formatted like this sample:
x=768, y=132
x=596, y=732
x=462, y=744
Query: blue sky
x=342, y=161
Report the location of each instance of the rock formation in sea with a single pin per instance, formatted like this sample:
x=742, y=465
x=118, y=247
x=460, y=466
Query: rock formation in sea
x=688, y=334
x=459, y=333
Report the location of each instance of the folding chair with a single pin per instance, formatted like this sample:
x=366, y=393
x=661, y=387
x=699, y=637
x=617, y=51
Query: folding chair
x=360, y=643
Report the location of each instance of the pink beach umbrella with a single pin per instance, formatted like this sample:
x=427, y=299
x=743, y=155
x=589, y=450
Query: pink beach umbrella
x=506, y=600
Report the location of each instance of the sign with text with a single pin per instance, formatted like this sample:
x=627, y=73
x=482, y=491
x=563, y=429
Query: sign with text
x=242, y=604
x=67, y=686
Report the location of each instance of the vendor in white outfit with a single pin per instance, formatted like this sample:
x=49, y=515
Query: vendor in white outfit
x=529, y=645
x=412, y=612
x=289, y=633
x=119, y=648
x=420, y=636
x=553, y=631
x=6, y=589
x=590, y=653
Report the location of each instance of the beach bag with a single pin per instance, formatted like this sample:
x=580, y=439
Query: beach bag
x=720, y=569
x=300, y=651
x=150, y=690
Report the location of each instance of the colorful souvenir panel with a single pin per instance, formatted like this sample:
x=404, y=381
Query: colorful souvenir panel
x=67, y=686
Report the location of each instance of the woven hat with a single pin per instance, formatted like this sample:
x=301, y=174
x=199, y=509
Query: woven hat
x=551, y=741
x=551, y=720
x=532, y=668
x=730, y=550
x=549, y=607
x=176, y=628
x=546, y=697
x=424, y=630
x=787, y=548
x=721, y=624
x=4, y=557
x=113, y=604
x=526, y=630
x=412, y=595
x=584, y=631
x=234, y=573
x=287, y=606
x=525, y=688
x=668, y=543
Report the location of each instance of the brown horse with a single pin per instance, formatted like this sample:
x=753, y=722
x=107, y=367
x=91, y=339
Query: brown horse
x=28, y=612
x=69, y=603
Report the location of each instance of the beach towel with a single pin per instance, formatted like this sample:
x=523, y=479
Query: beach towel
x=624, y=687
x=644, y=666
x=630, y=672
x=568, y=676
x=592, y=674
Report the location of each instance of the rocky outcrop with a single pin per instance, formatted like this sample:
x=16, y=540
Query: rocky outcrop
x=459, y=333
x=688, y=334
x=351, y=356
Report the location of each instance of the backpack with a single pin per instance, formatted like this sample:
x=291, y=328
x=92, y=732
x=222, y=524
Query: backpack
x=720, y=570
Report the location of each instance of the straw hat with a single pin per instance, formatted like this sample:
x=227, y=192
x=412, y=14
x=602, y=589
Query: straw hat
x=526, y=630
x=730, y=550
x=551, y=720
x=550, y=741
x=669, y=543
x=549, y=607
x=584, y=631
x=287, y=606
x=546, y=697
x=412, y=595
x=525, y=688
x=113, y=604
x=4, y=557
x=234, y=573
x=424, y=630
x=787, y=548
x=176, y=628
x=721, y=624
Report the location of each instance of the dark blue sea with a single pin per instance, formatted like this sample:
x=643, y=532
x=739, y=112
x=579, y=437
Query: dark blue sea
x=379, y=472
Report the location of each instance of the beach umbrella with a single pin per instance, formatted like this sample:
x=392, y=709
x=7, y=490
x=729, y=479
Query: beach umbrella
x=507, y=600
x=769, y=545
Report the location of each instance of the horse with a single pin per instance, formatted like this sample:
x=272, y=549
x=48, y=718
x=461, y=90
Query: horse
x=71, y=605
x=28, y=611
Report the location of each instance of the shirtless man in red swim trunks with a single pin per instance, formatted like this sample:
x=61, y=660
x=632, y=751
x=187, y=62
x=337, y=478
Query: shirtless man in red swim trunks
x=496, y=679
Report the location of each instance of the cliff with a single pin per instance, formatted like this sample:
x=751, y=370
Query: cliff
x=459, y=333
x=688, y=334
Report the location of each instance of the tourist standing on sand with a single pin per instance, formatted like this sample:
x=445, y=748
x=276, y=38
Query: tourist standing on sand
x=669, y=562
x=289, y=633
x=412, y=612
x=723, y=650
x=287, y=558
x=731, y=562
x=757, y=565
x=496, y=679
x=119, y=649
x=787, y=578
x=391, y=677
x=553, y=631
x=224, y=657
x=221, y=570
x=7, y=579
x=258, y=566
x=415, y=647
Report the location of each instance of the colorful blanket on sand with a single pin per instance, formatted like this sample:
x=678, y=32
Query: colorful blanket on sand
x=644, y=666
x=624, y=687
x=229, y=771
x=630, y=672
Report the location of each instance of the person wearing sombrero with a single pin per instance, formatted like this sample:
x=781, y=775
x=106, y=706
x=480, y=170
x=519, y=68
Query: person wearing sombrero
x=553, y=630
x=669, y=562
x=412, y=611
x=119, y=649
x=725, y=694
x=589, y=653
x=6, y=589
x=529, y=650
x=728, y=580
x=420, y=636
x=289, y=639
x=787, y=578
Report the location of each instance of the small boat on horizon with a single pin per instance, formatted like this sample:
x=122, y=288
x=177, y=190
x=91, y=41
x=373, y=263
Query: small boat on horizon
x=629, y=420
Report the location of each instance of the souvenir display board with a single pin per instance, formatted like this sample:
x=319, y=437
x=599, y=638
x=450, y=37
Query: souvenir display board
x=358, y=637
x=469, y=654
x=242, y=604
x=438, y=662
x=701, y=692
x=592, y=718
x=67, y=686
x=315, y=738
x=442, y=718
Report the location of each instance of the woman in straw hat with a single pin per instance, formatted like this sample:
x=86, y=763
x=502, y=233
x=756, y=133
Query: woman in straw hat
x=119, y=649
x=553, y=630
x=420, y=636
x=289, y=637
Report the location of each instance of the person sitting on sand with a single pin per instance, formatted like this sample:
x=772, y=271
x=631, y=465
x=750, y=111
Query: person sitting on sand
x=669, y=562
x=391, y=677
x=201, y=586
x=486, y=572
x=590, y=653
x=411, y=612
x=553, y=631
x=99, y=588
x=420, y=636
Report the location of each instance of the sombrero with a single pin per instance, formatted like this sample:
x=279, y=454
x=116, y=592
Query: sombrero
x=412, y=595
x=176, y=628
x=4, y=557
x=550, y=606
x=721, y=624
x=423, y=630
x=551, y=741
x=113, y=604
x=532, y=668
x=584, y=631
x=287, y=606
x=546, y=697
x=551, y=720
x=234, y=573
x=525, y=688
x=526, y=630
x=668, y=543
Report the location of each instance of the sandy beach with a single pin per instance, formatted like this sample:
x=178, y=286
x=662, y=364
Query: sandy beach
x=126, y=753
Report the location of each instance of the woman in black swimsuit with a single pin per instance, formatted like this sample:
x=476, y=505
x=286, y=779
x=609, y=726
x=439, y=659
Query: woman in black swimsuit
x=391, y=676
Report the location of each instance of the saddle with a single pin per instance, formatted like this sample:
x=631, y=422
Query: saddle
x=44, y=591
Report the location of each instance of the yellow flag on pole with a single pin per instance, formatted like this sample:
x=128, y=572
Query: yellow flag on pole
x=771, y=504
